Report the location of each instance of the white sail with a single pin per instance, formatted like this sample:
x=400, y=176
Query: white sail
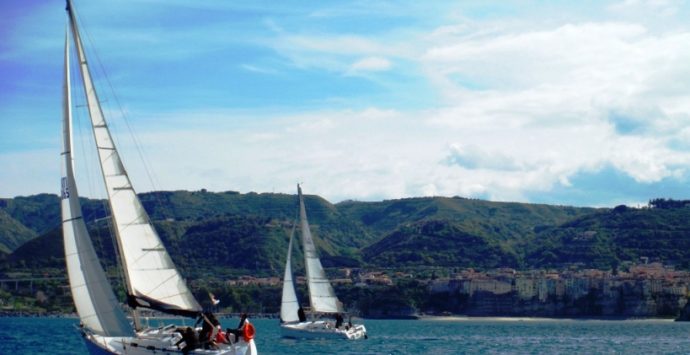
x=321, y=294
x=93, y=296
x=151, y=277
x=289, y=304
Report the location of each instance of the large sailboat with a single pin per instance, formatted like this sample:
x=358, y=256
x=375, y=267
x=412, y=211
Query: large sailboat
x=152, y=280
x=322, y=298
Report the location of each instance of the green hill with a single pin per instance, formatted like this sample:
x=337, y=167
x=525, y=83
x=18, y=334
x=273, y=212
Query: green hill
x=213, y=237
x=228, y=245
x=502, y=227
x=26, y=217
x=439, y=243
x=501, y=220
x=337, y=229
x=40, y=213
x=13, y=233
x=210, y=234
x=228, y=233
x=606, y=238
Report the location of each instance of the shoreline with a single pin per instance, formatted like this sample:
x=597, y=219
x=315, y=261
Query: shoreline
x=426, y=317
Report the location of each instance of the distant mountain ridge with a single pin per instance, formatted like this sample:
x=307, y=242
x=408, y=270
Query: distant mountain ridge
x=229, y=233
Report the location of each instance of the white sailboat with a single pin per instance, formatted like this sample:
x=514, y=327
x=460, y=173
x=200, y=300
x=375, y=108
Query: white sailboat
x=322, y=298
x=151, y=279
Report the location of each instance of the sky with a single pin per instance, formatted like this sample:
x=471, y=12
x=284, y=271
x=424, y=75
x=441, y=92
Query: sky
x=583, y=103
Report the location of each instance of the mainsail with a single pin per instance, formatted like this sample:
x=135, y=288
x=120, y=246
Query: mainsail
x=289, y=303
x=151, y=277
x=321, y=294
x=93, y=296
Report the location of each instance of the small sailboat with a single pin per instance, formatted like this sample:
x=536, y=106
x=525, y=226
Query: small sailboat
x=152, y=280
x=322, y=298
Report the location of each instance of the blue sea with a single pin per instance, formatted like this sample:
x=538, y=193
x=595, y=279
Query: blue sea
x=432, y=336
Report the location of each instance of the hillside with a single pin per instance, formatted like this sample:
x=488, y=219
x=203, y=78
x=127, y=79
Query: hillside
x=502, y=220
x=606, y=238
x=219, y=234
x=215, y=237
x=228, y=234
x=462, y=229
x=340, y=233
x=13, y=233
x=26, y=217
x=39, y=213
x=439, y=243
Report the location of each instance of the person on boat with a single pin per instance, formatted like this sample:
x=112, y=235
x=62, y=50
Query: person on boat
x=237, y=332
x=216, y=333
x=220, y=337
x=189, y=339
x=300, y=314
x=208, y=326
x=338, y=320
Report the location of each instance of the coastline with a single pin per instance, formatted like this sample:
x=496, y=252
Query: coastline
x=460, y=318
x=424, y=317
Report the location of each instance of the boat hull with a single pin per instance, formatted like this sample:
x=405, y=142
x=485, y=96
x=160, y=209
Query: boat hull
x=95, y=348
x=157, y=341
x=322, y=330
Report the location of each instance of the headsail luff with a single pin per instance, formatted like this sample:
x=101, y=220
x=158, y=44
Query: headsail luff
x=93, y=295
x=321, y=295
x=289, y=303
x=151, y=277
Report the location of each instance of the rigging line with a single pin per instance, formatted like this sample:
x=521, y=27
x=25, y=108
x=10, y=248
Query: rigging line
x=137, y=142
x=95, y=231
x=84, y=139
x=78, y=113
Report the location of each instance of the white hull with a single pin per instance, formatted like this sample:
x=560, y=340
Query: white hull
x=157, y=341
x=322, y=330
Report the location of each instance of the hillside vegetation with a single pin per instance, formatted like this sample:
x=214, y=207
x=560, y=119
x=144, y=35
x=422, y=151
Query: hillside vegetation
x=606, y=238
x=228, y=234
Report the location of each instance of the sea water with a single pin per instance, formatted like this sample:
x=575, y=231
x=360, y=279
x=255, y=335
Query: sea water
x=432, y=336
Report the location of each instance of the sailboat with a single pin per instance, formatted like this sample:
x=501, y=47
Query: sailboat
x=151, y=278
x=322, y=298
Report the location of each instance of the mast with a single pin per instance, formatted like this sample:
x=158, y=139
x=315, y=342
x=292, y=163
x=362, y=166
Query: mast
x=322, y=298
x=151, y=278
x=93, y=296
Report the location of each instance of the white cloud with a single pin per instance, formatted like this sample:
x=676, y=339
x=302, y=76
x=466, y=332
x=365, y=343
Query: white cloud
x=341, y=53
x=371, y=64
x=547, y=101
x=256, y=69
x=524, y=105
x=474, y=157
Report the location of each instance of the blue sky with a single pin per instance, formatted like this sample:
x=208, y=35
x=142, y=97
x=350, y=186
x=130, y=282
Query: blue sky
x=575, y=103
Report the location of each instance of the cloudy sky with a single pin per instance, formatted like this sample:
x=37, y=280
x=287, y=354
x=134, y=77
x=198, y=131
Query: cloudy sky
x=581, y=103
